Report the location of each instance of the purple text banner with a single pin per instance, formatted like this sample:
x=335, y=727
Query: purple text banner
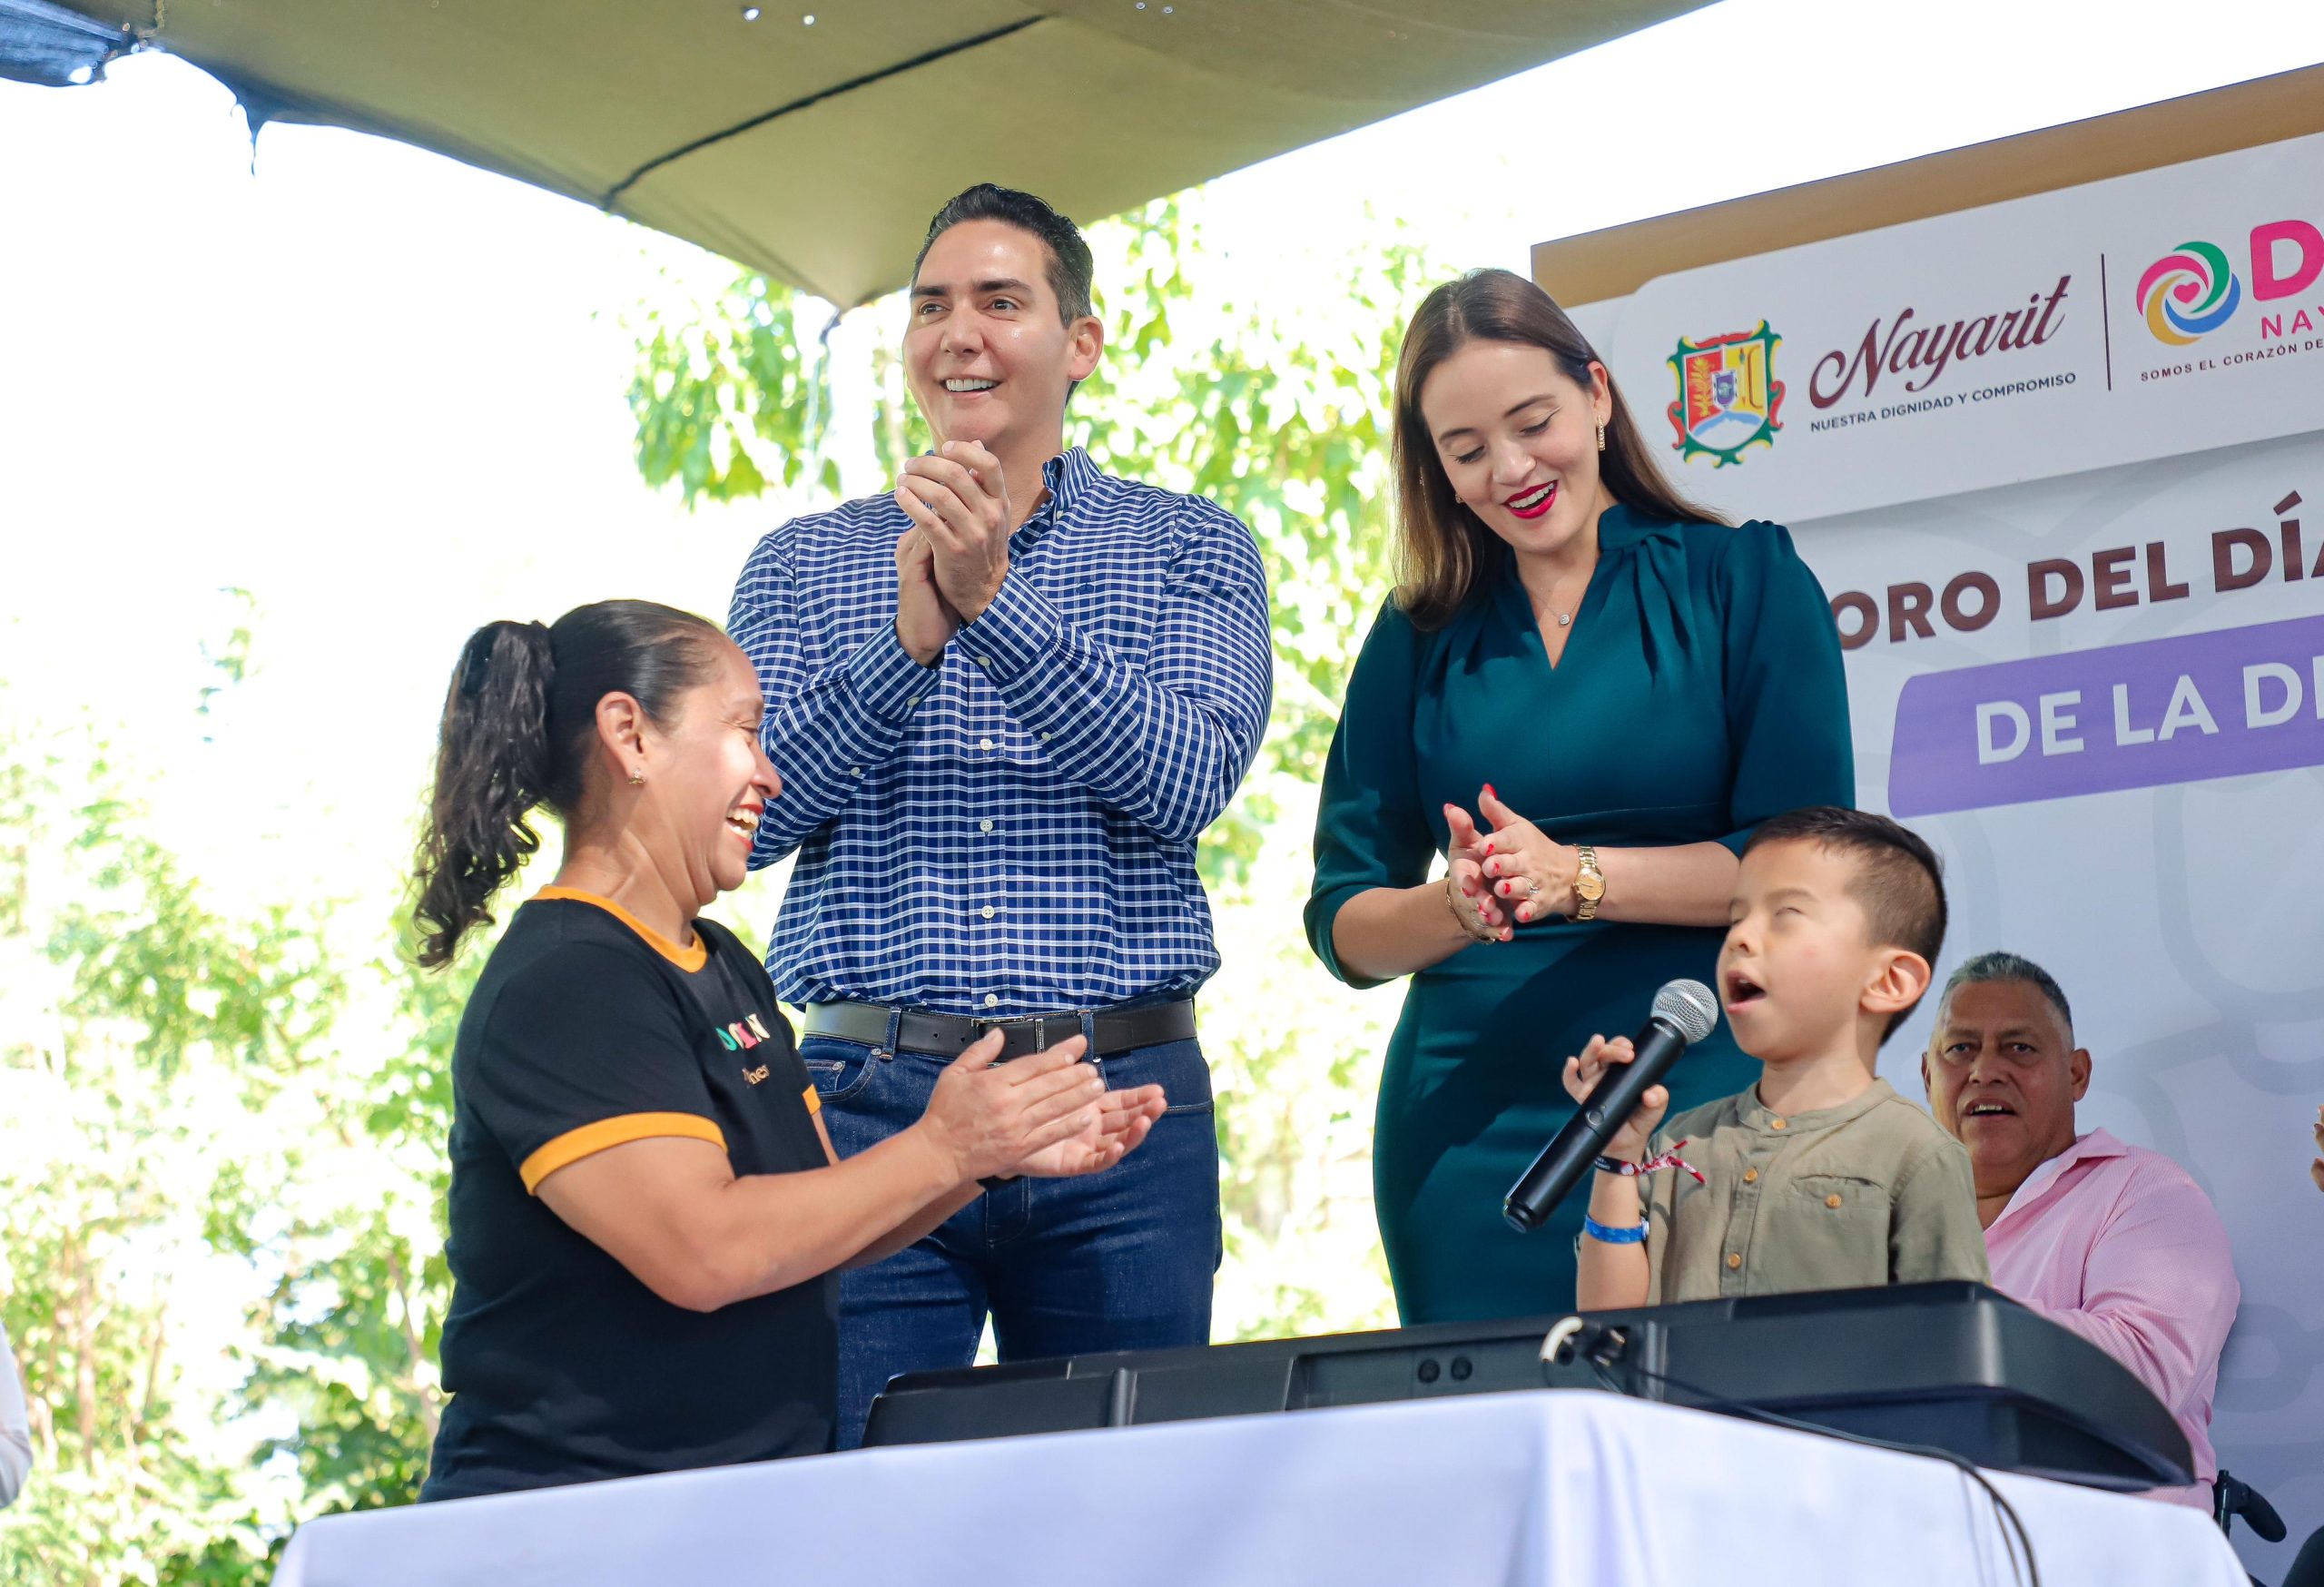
x=2224, y=704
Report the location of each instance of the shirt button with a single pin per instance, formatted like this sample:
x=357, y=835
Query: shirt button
x=984, y=743
x=988, y=912
x=992, y=1000
x=1751, y=1175
x=1776, y=1124
x=984, y=661
x=1734, y=1260
x=1045, y=738
x=855, y=771
x=984, y=827
x=1832, y=1200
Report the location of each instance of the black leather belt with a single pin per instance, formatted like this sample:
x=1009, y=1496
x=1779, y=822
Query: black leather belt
x=950, y=1035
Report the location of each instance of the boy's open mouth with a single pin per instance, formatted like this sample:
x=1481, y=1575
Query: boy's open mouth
x=1742, y=990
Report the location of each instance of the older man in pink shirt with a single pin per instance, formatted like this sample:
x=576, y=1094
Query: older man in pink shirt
x=2113, y=1241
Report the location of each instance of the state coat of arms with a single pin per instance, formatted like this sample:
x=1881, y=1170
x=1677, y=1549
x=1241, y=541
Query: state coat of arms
x=1729, y=397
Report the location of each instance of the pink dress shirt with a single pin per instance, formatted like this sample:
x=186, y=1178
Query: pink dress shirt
x=2118, y=1243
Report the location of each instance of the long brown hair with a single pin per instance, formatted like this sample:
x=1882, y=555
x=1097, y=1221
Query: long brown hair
x=518, y=722
x=1441, y=548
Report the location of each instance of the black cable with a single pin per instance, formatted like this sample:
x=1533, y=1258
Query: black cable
x=1967, y=1467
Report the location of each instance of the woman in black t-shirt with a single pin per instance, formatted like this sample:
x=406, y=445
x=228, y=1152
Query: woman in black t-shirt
x=646, y=1215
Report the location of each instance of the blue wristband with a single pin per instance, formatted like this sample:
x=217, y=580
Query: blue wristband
x=1610, y=1236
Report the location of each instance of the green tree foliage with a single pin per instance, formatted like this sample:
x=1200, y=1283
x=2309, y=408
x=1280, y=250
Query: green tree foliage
x=223, y=1269
x=352, y=1328
x=149, y=1002
x=727, y=398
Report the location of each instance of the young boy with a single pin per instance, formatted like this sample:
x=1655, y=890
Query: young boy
x=1820, y=1177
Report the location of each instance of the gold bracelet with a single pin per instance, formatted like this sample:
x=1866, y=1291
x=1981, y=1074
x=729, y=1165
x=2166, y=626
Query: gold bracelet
x=1458, y=918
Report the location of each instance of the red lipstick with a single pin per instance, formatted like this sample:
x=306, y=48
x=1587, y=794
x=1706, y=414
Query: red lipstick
x=1547, y=499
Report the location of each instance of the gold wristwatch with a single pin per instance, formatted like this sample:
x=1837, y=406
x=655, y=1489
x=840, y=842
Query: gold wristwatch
x=1589, y=885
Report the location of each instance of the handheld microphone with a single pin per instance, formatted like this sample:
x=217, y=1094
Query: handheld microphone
x=1685, y=1012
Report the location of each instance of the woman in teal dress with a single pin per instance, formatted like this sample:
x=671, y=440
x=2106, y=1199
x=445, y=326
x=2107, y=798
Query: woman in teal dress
x=1583, y=695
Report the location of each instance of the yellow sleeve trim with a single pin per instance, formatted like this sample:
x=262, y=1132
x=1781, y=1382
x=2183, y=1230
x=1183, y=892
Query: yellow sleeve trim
x=592, y=1139
x=686, y=959
x=815, y=1102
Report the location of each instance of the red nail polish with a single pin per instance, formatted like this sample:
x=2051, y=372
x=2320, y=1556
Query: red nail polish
x=1490, y=794
x=1488, y=845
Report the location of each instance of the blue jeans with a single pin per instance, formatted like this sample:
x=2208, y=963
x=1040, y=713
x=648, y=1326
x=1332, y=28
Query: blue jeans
x=1121, y=1260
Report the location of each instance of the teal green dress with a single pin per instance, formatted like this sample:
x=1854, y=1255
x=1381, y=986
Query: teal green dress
x=1699, y=693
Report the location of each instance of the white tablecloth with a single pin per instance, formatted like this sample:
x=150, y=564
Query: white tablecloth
x=1545, y=1489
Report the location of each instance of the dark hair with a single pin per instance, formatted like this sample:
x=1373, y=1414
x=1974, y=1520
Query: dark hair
x=519, y=720
x=1071, y=272
x=2000, y=966
x=1897, y=878
x=1442, y=547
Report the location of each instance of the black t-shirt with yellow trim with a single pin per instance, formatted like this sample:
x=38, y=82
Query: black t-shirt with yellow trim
x=587, y=1030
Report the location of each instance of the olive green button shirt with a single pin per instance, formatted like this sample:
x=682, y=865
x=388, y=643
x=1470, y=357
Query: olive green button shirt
x=1868, y=1192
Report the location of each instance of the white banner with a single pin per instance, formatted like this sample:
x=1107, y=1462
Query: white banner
x=2060, y=465
x=2154, y=314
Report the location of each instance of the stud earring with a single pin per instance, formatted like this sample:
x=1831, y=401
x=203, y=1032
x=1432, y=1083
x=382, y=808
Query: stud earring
x=637, y=779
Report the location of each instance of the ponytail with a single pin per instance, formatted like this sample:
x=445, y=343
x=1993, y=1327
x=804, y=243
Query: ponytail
x=517, y=723
x=492, y=766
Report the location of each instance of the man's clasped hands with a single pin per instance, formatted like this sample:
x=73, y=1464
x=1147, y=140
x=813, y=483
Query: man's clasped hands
x=951, y=562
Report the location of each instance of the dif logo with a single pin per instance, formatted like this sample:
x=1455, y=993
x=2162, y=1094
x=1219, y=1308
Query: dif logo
x=2193, y=290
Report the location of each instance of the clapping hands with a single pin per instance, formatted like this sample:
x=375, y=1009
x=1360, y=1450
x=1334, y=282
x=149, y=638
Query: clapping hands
x=1509, y=870
x=1466, y=888
x=1049, y=1115
x=958, y=498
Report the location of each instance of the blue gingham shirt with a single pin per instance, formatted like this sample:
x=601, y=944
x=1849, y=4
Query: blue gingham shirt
x=1011, y=831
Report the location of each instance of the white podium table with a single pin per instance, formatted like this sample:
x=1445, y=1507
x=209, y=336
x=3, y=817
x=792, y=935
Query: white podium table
x=1541, y=1489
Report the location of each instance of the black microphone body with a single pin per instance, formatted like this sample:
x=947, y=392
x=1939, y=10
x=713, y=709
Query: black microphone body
x=1607, y=1109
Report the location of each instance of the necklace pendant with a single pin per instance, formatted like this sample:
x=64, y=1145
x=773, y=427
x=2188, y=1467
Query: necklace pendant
x=1565, y=619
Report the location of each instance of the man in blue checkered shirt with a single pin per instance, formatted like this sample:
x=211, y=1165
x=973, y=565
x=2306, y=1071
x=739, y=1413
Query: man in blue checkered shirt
x=1005, y=702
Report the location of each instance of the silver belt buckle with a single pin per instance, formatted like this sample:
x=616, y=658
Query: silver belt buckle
x=1037, y=1024
x=980, y=1027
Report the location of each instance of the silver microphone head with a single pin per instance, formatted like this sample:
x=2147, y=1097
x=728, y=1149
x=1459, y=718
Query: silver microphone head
x=1688, y=1008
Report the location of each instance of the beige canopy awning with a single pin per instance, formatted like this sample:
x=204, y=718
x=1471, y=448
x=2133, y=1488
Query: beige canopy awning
x=813, y=138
